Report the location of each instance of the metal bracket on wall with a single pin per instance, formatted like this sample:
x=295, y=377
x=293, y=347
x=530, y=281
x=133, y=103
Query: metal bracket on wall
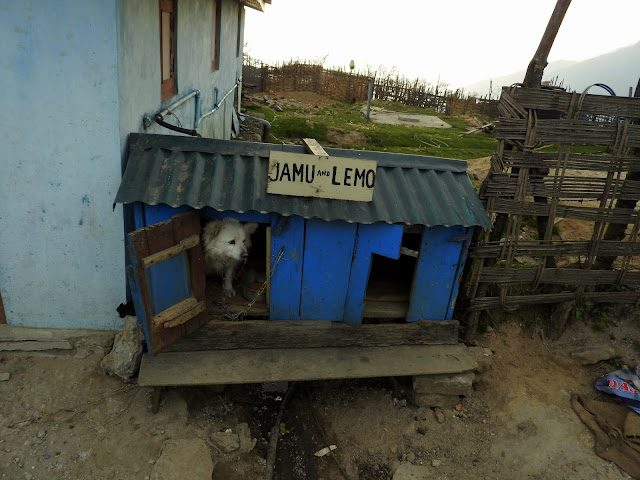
x=147, y=121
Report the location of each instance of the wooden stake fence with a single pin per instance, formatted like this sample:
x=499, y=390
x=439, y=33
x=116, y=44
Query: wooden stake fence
x=305, y=77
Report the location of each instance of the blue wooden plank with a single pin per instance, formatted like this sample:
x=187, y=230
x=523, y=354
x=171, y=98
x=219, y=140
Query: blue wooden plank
x=464, y=251
x=138, y=216
x=136, y=292
x=153, y=214
x=286, y=279
x=161, y=212
x=380, y=238
x=328, y=252
x=435, y=275
x=168, y=282
x=209, y=213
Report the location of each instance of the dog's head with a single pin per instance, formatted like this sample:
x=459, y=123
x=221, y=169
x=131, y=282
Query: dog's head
x=229, y=238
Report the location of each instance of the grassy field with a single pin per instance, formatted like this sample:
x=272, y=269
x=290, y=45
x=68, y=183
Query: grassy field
x=343, y=125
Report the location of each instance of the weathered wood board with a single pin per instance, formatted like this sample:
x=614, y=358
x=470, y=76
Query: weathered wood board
x=318, y=176
x=275, y=365
x=178, y=276
x=287, y=334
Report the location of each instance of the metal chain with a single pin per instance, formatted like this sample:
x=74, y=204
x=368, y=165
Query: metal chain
x=234, y=316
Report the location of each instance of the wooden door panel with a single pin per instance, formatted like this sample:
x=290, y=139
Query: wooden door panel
x=167, y=279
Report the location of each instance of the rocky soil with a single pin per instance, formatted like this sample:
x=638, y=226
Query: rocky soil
x=62, y=417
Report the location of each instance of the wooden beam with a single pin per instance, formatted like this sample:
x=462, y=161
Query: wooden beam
x=186, y=306
x=255, y=4
x=186, y=316
x=170, y=252
x=533, y=77
x=275, y=365
x=34, y=346
x=385, y=309
x=10, y=333
x=285, y=334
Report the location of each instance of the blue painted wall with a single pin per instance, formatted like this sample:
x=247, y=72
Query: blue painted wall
x=324, y=269
x=61, y=261
x=77, y=78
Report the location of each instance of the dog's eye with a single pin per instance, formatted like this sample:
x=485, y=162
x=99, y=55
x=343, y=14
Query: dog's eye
x=232, y=242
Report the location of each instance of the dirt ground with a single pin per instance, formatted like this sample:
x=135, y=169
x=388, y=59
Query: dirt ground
x=63, y=418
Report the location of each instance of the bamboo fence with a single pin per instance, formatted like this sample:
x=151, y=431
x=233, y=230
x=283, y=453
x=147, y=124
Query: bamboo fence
x=599, y=191
x=300, y=76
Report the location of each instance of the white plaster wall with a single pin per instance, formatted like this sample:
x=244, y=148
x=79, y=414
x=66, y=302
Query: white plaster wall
x=61, y=261
x=139, y=60
x=77, y=78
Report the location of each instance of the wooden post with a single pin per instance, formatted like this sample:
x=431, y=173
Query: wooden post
x=616, y=231
x=533, y=77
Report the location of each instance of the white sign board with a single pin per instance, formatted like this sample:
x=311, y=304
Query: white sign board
x=318, y=176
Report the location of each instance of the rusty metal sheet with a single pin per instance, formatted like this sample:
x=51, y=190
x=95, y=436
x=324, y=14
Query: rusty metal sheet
x=232, y=175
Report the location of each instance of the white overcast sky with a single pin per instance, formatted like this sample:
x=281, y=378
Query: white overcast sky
x=456, y=41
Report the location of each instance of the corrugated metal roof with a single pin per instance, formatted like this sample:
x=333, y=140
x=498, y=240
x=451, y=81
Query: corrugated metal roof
x=232, y=175
x=255, y=4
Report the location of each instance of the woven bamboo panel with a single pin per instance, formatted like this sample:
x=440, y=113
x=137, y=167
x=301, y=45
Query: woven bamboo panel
x=538, y=178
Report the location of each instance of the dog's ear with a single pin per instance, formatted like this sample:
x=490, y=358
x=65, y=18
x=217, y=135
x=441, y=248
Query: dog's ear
x=212, y=229
x=250, y=228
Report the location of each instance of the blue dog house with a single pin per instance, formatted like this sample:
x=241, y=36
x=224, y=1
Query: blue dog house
x=399, y=256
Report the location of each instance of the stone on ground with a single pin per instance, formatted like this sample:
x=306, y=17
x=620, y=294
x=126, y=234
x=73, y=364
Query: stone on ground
x=124, y=359
x=408, y=471
x=183, y=459
x=593, y=355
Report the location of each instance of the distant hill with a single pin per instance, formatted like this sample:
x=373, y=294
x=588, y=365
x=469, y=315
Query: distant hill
x=619, y=70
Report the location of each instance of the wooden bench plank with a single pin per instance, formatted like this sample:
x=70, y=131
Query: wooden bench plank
x=385, y=309
x=188, y=305
x=34, y=346
x=10, y=333
x=261, y=334
x=274, y=365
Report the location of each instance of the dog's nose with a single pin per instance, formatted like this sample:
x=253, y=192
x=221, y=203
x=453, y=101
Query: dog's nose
x=245, y=254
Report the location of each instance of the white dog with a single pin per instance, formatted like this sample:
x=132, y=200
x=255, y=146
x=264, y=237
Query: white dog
x=226, y=244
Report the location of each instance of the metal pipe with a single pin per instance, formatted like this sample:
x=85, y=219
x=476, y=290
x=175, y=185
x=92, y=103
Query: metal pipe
x=266, y=127
x=239, y=95
x=216, y=106
x=196, y=109
x=266, y=131
x=159, y=117
x=177, y=103
x=161, y=122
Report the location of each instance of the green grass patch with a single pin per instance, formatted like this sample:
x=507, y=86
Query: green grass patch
x=342, y=119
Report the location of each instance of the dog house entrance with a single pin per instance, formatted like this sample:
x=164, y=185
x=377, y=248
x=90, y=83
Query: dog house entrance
x=250, y=284
x=388, y=291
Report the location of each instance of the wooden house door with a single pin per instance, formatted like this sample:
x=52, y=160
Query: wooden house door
x=167, y=279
